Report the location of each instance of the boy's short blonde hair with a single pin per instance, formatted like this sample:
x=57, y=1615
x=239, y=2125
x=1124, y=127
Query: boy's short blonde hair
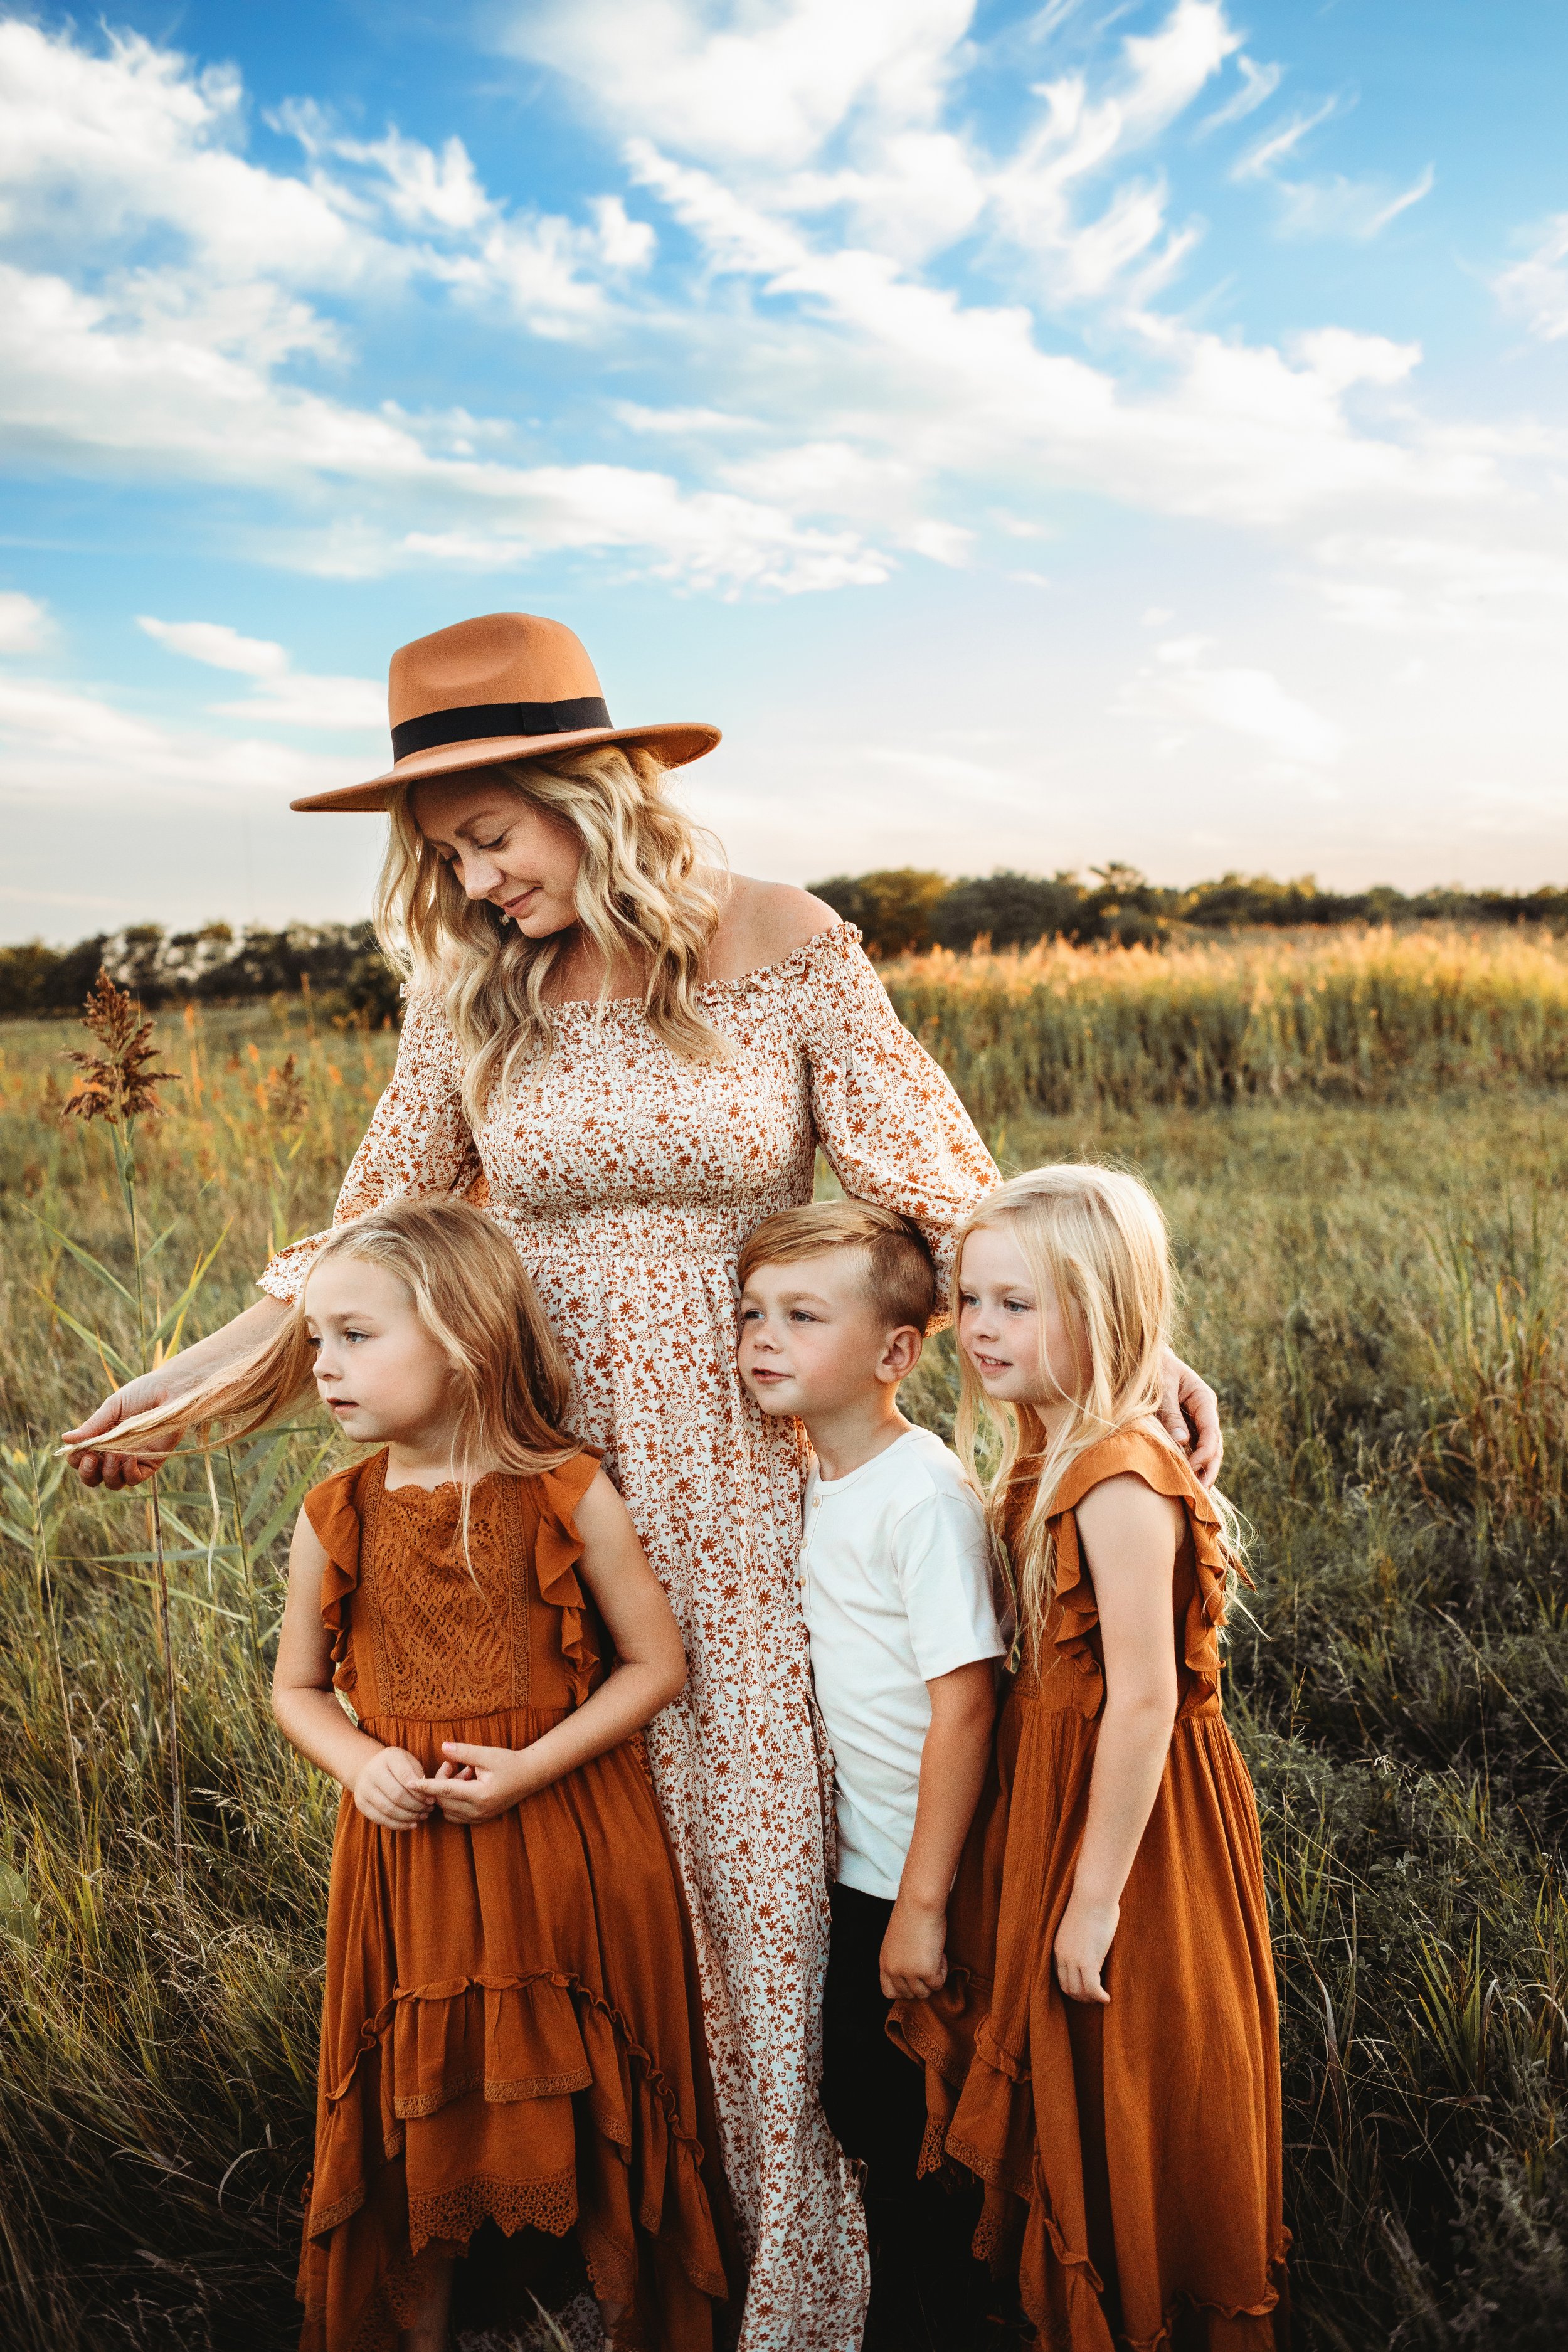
x=901, y=1273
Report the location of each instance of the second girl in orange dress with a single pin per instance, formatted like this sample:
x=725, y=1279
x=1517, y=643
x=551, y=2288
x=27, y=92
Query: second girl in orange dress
x=1104, y=2053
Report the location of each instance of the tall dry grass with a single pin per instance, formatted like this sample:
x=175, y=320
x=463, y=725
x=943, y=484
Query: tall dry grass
x=1365, y=1014
x=1377, y=1291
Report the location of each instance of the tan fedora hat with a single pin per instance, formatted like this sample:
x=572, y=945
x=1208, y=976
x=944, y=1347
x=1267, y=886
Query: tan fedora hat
x=509, y=686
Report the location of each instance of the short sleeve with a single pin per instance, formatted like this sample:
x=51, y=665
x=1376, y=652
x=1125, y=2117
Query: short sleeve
x=418, y=1145
x=886, y=1114
x=942, y=1561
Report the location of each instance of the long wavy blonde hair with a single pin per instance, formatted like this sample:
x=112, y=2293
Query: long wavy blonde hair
x=1095, y=1239
x=648, y=892
x=511, y=1382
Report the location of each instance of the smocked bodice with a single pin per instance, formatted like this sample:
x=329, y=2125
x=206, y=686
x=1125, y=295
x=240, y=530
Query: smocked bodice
x=611, y=1149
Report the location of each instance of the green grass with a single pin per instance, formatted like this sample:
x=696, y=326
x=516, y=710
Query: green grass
x=1378, y=1291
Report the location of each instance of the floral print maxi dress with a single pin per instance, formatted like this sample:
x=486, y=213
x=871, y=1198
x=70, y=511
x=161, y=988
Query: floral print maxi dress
x=628, y=1178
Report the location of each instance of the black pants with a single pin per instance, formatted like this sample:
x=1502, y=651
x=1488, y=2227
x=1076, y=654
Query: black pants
x=927, y=2294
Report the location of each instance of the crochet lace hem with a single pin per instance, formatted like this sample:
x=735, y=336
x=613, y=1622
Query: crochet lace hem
x=452, y=2215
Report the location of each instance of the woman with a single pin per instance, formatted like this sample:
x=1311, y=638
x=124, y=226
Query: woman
x=630, y=1058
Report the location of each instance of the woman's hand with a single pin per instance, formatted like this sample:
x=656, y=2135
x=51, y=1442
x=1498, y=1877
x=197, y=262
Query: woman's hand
x=390, y=1790
x=171, y=1381
x=476, y=1784
x=1082, y=1941
x=118, y=1470
x=1189, y=1409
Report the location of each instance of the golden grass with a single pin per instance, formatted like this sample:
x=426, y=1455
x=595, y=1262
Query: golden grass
x=1374, y=1274
x=1360, y=1014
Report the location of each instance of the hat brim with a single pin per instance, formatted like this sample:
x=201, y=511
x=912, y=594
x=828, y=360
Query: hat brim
x=677, y=741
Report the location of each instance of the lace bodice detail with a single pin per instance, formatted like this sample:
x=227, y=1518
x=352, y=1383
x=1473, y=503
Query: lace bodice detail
x=428, y=1632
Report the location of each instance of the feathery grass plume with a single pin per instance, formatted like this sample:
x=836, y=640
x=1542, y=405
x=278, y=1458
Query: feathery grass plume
x=118, y=1085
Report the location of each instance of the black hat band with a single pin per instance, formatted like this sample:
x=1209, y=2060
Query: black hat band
x=477, y=720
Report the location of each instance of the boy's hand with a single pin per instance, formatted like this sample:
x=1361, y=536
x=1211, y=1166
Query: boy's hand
x=390, y=1789
x=1083, y=1940
x=476, y=1784
x=914, y=1950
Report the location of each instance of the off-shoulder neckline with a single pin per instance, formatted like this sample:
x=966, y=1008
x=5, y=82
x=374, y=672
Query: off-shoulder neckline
x=845, y=933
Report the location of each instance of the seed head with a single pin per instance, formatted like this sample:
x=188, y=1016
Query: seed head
x=118, y=1085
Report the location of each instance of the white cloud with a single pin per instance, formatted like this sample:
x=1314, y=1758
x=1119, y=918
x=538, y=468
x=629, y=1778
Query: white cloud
x=1536, y=288
x=1250, y=703
x=770, y=88
x=1258, y=84
x=1336, y=206
x=1260, y=159
x=61, y=739
x=853, y=403
x=1424, y=586
x=282, y=696
x=25, y=623
x=219, y=646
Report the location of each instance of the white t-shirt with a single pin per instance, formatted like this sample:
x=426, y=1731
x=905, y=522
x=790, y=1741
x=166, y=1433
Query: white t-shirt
x=896, y=1583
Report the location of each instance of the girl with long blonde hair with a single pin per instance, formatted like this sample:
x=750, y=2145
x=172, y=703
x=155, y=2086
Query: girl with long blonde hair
x=512, y=2034
x=1104, y=2055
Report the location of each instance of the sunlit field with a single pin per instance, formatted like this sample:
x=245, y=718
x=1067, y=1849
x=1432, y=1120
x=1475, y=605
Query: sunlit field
x=1366, y=1164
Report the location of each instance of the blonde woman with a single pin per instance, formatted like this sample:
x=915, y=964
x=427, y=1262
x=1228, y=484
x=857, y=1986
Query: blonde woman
x=630, y=1057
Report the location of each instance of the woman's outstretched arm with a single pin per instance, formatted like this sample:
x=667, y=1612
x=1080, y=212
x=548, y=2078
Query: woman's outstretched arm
x=417, y=1145
x=172, y=1381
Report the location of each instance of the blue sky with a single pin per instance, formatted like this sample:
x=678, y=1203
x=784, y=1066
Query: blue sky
x=1036, y=434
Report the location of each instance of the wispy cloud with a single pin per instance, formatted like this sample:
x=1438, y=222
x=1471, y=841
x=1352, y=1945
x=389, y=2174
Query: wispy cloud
x=1536, y=288
x=282, y=696
x=1336, y=206
x=1258, y=84
x=25, y=623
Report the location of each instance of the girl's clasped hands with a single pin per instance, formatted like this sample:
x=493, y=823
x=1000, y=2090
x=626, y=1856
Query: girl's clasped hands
x=472, y=1784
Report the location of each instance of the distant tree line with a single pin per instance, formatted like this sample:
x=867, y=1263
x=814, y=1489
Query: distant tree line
x=340, y=963
x=901, y=909
x=905, y=909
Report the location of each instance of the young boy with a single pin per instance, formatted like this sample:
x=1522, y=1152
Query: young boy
x=895, y=1583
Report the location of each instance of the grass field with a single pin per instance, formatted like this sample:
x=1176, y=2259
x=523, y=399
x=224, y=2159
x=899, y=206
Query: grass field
x=1374, y=1258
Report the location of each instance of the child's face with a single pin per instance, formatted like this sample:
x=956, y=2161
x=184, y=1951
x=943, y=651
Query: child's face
x=810, y=1342
x=1023, y=1347
x=378, y=1372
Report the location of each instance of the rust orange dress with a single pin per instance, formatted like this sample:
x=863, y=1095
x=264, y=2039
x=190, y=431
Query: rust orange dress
x=512, y=2031
x=1131, y=2155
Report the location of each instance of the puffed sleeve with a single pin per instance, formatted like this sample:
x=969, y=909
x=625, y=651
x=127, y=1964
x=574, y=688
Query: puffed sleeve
x=886, y=1114
x=418, y=1145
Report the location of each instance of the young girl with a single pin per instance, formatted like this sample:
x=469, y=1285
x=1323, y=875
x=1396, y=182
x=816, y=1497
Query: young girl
x=1104, y=2054
x=511, y=2039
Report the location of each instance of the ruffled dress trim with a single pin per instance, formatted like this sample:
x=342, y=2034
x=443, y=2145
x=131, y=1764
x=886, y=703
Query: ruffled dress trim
x=1075, y=1619
x=550, y=2036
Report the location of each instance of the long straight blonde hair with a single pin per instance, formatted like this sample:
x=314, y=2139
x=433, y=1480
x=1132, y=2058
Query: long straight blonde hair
x=648, y=892
x=1095, y=1239
x=511, y=1384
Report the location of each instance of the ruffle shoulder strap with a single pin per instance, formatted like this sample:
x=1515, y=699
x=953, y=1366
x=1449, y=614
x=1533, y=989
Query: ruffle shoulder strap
x=1161, y=1465
x=334, y=1510
x=557, y=1549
